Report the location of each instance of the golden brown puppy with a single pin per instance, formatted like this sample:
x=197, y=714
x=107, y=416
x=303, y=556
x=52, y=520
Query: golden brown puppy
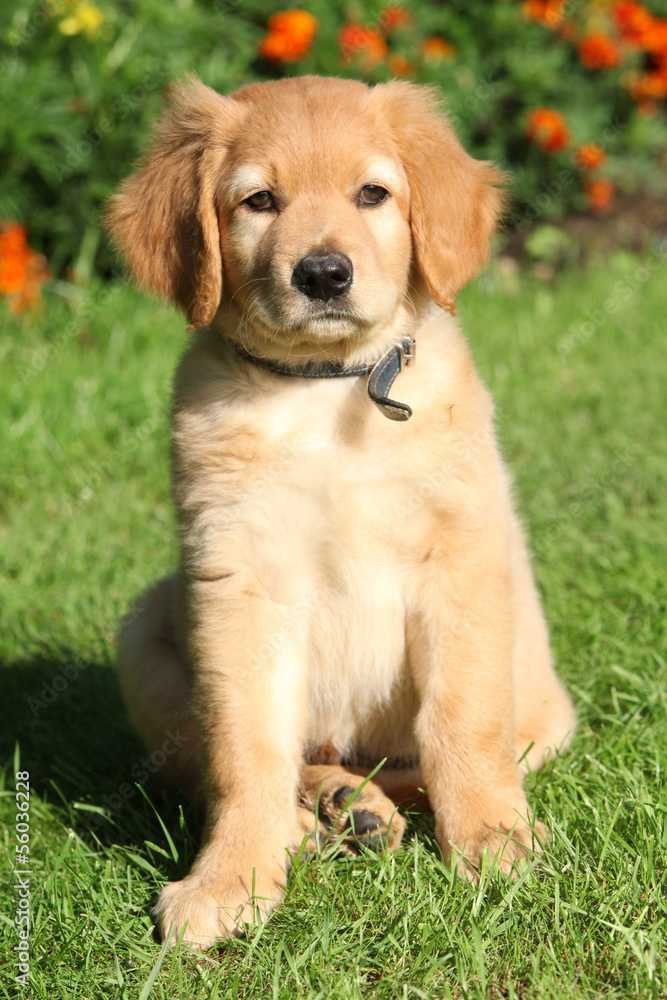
x=348, y=582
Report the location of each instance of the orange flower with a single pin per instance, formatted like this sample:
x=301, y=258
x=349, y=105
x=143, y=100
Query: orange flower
x=651, y=86
x=550, y=13
x=633, y=21
x=14, y=257
x=600, y=195
x=567, y=31
x=400, y=66
x=655, y=39
x=646, y=108
x=437, y=48
x=291, y=33
x=22, y=271
x=360, y=40
x=590, y=156
x=598, y=51
x=394, y=16
x=548, y=130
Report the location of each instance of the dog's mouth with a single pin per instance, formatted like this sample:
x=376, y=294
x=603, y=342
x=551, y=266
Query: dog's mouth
x=329, y=313
x=332, y=316
x=320, y=320
x=327, y=326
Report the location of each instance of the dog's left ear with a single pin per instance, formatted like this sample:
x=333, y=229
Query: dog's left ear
x=455, y=201
x=164, y=219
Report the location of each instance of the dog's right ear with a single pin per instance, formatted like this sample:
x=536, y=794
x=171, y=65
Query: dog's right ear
x=455, y=201
x=165, y=218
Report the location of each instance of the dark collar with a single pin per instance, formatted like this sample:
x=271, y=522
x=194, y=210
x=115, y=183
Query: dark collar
x=382, y=372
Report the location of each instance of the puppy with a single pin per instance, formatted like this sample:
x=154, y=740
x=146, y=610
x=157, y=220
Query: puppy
x=354, y=582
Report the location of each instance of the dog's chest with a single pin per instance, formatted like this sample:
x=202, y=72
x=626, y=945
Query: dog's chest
x=343, y=509
x=353, y=484
x=328, y=509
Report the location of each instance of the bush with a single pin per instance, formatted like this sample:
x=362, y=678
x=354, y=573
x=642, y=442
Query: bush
x=80, y=82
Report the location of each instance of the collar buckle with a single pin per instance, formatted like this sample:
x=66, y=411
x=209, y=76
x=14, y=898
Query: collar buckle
x=408, y=351
x=382, y=373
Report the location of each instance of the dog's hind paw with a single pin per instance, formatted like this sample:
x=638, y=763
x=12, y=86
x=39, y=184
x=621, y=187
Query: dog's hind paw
x=342, y=809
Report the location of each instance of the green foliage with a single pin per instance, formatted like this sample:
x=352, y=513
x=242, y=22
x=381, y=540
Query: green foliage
x=76, y=109
x=87, y=522
x=76, y=106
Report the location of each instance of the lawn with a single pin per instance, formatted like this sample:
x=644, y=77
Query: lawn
x=86, y=521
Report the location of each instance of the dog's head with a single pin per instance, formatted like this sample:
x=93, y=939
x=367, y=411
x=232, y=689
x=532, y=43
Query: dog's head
x=314, y=208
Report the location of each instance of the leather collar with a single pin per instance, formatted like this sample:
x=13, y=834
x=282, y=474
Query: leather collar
x=382, y=374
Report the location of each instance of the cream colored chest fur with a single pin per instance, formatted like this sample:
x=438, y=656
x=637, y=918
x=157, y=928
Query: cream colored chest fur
x=330, y=509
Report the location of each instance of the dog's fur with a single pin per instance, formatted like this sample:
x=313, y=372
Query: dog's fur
x=347, y=581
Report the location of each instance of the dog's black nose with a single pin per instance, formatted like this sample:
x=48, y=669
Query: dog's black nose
x=323, y=275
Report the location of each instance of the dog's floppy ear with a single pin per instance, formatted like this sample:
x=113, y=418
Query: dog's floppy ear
x=164, y=218
x=455, y=201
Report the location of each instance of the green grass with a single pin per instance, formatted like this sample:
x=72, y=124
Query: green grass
x=86, y=521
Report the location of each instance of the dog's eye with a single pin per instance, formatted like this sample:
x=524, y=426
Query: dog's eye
x=263, y=201
x=372, y=194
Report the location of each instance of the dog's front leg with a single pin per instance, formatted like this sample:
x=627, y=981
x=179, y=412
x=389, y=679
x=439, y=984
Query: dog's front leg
x=248, y=653
x=460, y=638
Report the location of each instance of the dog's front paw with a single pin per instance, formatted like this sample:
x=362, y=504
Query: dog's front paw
x=505, y=844
x=205, y=912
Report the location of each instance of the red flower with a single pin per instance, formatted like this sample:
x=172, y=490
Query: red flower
x=655, y=39
x=600, y=195
x=633, y=21
x=550, y=13
x=400, y=66
x=598, y=51
x=651, y=86
x=291, y=33
x=437, y=48
x=394, y=16
x=360, y=40
x=589, y=156
x=22, y=271
x=548, y=130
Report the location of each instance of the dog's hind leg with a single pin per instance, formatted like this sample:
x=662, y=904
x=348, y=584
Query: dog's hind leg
x=338, y=806
x=157, y=686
